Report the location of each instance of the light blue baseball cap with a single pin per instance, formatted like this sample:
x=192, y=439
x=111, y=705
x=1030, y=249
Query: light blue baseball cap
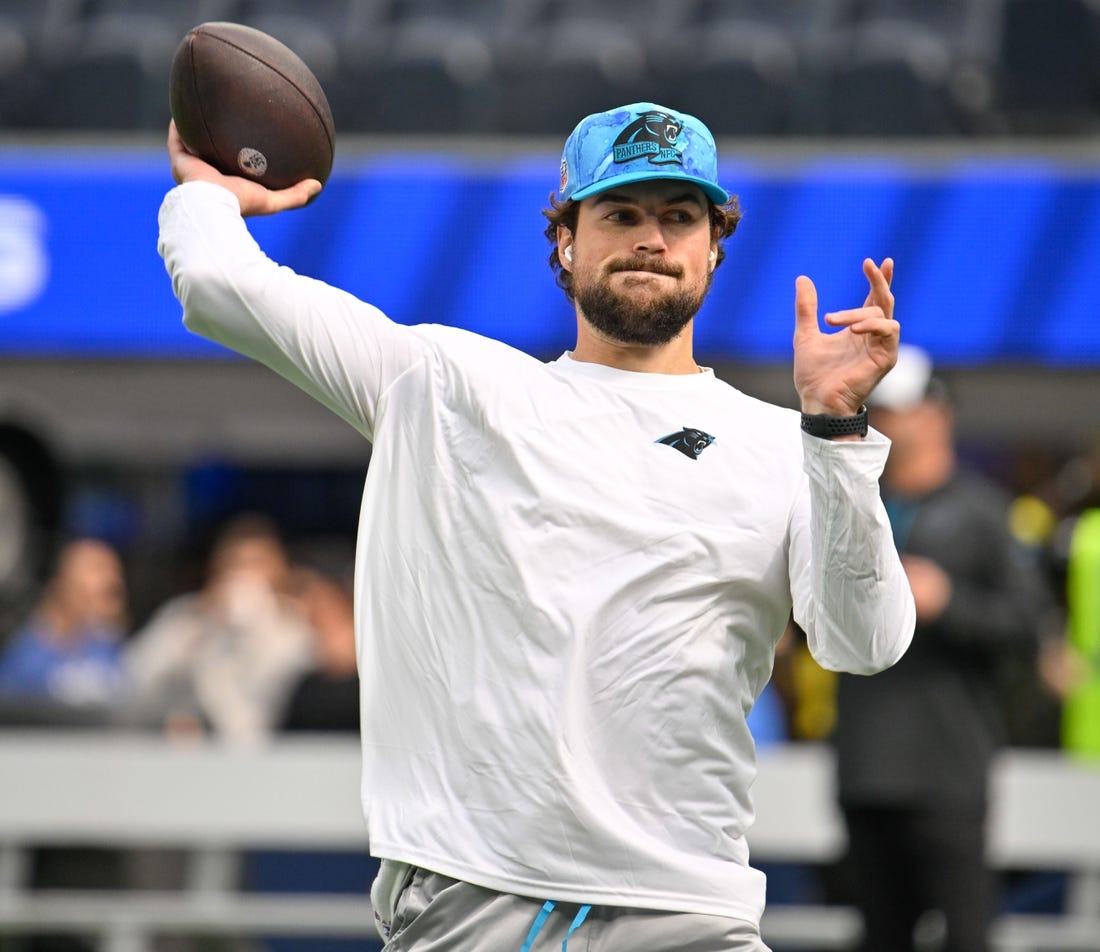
x=637, y=143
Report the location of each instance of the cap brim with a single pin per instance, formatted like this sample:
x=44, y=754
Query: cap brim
x=714, y=192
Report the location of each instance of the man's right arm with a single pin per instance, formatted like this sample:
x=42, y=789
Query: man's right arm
x=340, y=350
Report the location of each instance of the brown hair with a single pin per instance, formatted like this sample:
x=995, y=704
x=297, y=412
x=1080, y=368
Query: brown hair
x=723, y=222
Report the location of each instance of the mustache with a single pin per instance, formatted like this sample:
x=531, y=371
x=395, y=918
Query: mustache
x=641, y=263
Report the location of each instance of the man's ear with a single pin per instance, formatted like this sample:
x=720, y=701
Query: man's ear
x=565, y=247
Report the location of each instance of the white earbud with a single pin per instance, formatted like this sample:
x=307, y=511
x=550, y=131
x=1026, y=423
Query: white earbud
x=568, y=252
x=714, y=256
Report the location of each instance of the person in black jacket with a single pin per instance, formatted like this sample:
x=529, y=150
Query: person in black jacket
x=914, y=744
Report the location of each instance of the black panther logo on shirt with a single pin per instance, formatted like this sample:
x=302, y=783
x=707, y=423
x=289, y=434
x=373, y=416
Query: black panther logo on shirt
x=689, y=441
x=652, y=134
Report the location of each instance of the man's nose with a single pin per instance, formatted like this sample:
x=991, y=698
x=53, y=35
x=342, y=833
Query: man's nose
x=650, y=237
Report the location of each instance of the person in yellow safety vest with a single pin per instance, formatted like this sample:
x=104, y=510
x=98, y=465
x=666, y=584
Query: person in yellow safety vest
x=1081, y=708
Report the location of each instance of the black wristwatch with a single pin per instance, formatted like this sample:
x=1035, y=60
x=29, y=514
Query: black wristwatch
x=827, y=427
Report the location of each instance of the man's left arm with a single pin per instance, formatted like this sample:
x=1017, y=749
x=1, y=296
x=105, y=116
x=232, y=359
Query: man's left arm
x=850, y=593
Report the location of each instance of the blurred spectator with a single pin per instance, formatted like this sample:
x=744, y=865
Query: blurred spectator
x=915, y=742
x=222, y=659
x=324, y=700
x=1077, y=485
x=326, y=697
x=1072, y=666
x=70, y=648
x=1058, y=518
x=64, y=666
x=808, y=690
x=1081, y=724
x=32, y=494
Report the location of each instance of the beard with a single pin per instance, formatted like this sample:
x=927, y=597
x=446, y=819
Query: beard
x=655, y=319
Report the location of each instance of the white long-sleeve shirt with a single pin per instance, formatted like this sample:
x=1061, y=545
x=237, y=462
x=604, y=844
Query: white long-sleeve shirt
x=562, y=621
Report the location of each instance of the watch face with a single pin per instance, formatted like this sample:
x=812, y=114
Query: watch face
x=15, y=527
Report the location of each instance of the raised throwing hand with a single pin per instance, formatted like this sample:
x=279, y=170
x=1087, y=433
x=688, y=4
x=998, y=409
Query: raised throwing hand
x=253, y=197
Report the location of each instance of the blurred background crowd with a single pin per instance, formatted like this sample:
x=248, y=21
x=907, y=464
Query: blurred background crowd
x=205, y=593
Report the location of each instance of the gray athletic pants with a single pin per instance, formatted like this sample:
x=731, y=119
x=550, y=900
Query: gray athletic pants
x=435, y=913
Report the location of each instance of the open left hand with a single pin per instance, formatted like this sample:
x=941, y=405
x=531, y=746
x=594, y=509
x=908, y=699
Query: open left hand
x=835, y=372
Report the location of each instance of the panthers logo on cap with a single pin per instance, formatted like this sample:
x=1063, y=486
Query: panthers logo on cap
x=652, y=135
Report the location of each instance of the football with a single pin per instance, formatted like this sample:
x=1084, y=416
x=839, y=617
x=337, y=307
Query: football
x=249, y=105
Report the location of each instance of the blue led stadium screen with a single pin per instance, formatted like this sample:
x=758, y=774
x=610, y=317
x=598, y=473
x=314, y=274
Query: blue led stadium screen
x=995, y=257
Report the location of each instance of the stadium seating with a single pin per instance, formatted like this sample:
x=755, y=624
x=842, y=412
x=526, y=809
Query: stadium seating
x=1048, y=76
x=752, y=67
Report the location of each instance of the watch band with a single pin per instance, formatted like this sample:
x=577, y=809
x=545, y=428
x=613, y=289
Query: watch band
x=827, y=427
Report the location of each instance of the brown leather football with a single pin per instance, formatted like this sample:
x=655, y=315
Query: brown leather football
x=250, y=106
